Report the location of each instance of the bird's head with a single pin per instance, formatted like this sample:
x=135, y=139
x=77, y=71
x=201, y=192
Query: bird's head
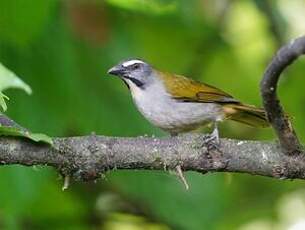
x=134, y=72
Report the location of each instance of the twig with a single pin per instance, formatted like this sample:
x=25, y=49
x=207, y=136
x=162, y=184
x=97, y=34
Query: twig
x=181, y=176
x=66, y=183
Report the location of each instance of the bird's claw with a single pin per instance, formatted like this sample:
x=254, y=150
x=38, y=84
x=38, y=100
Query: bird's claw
x=212, y=141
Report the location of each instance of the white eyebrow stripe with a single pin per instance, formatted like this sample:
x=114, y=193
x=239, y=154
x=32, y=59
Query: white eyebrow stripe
x=131, y=62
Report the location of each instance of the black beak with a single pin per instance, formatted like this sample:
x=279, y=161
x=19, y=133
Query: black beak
x=117, y=70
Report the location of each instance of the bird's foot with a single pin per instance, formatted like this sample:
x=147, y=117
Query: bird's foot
x=212, y=140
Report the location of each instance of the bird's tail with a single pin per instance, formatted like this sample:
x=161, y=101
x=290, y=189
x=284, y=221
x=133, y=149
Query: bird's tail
x=247, y=114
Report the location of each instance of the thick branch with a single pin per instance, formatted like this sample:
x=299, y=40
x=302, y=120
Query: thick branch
x=280, y=122
x=88, y=157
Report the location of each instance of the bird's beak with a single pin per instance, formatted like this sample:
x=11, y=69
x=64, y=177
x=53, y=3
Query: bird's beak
x=117, y=70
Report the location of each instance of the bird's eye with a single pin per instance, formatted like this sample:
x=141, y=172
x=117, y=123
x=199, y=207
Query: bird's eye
x=136, y=66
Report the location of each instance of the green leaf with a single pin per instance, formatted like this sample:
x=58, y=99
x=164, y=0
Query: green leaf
x=9, y=127
x=2, y=101
x=9, y=80
x=155, y=7
x=40, y=137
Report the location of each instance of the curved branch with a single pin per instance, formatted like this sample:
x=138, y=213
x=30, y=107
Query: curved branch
x=88, y=157
x=280, y=122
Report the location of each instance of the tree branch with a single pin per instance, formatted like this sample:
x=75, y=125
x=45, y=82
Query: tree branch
x=279, y=120
x=87, y=158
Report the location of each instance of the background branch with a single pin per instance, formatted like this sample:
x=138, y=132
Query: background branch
x=277, y=24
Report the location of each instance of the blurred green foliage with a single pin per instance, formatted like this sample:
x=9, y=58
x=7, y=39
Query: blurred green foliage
x=147, y=7
x=63, y=49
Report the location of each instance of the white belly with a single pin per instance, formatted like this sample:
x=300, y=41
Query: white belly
x=168, y=114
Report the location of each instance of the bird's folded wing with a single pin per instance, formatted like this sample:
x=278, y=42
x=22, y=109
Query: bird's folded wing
x=188, y=90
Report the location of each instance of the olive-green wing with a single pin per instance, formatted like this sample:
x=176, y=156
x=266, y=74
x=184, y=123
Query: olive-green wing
x=188, y=90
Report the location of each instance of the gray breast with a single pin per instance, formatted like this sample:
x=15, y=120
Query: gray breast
x=166, y=113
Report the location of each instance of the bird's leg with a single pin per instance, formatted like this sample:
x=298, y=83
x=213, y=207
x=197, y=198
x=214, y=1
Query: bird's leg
x=212, y=140
x=215, y=134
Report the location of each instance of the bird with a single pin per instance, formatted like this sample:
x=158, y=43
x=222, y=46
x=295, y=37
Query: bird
x=177, y=104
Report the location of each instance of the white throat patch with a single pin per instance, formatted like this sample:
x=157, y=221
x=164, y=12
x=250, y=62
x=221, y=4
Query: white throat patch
x=131, y=62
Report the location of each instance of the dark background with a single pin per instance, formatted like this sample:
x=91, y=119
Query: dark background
x=63, y=49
